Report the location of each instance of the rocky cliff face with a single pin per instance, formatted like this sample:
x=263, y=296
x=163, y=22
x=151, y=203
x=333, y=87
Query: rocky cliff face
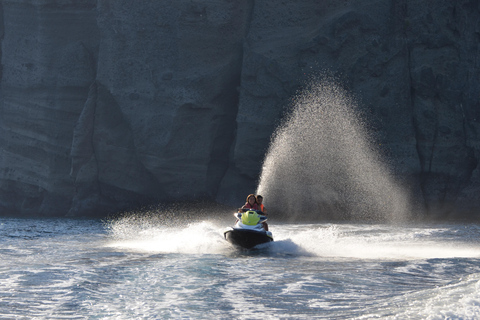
x=107, y=104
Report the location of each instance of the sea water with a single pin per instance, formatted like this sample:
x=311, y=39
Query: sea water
x=124, y=269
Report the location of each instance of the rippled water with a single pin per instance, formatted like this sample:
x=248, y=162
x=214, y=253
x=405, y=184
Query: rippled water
x=86, y=269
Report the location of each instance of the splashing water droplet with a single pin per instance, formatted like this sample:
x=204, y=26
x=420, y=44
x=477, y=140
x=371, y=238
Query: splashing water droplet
x=322, y=162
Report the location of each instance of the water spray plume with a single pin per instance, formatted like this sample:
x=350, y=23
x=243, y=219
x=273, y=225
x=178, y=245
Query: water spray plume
x=323, y=163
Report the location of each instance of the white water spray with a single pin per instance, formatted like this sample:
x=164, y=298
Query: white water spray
x=322, y=163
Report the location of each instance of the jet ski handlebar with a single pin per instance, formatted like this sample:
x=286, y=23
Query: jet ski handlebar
x=247, y=209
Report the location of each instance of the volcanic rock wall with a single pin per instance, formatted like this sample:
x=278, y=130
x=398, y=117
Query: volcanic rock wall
x=108, y=104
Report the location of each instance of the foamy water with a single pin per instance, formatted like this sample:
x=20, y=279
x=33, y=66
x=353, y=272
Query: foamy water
x=86, y=269
x=382, y=241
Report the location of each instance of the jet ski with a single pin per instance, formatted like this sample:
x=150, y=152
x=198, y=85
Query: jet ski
x=248, y=231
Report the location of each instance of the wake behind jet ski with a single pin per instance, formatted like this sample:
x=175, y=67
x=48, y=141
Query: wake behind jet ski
x=248, y=231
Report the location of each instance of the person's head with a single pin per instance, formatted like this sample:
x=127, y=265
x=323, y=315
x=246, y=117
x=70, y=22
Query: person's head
x=259, y=199
x=251, y=199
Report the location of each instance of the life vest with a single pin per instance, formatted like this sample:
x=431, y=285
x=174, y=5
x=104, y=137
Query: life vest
x=262, y=208
x=248, y=206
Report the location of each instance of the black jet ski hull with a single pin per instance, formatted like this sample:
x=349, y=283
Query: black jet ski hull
x=246, y=238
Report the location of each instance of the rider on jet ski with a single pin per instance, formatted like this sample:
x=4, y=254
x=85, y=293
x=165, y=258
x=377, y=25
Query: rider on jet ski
x=250, y=229
x=252, y=203
x=260, y=205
